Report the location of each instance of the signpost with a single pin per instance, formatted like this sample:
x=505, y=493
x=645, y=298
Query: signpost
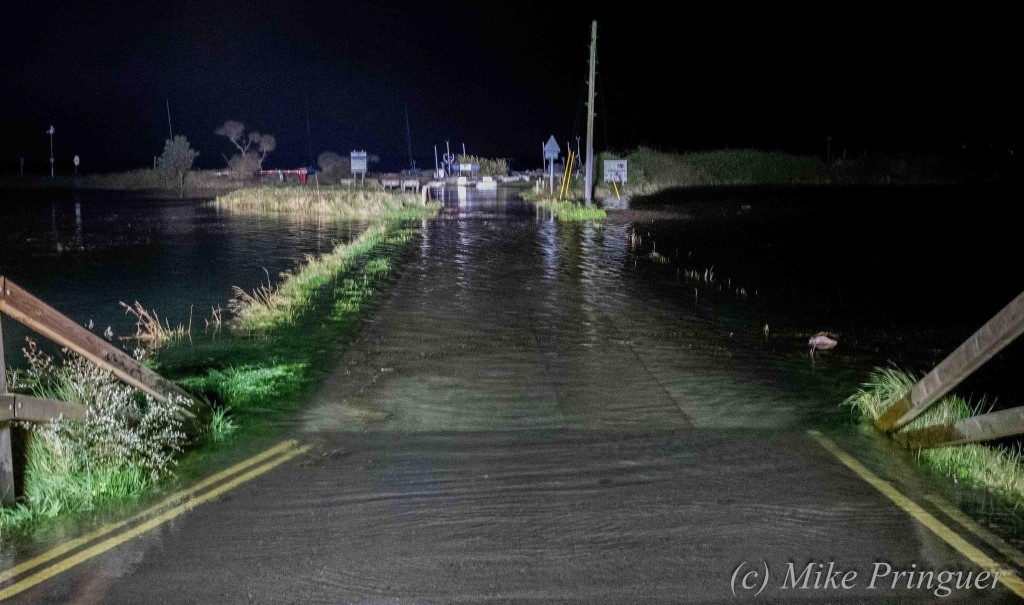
x=551, y=152
x=77, y=162
x=358, y=161
x=615, y=172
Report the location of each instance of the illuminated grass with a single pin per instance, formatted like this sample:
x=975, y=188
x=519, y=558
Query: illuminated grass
x=272, y=305
x=252, y=380
x=334, y=202
x=998, y=469
x=565, y=210
x=127, y=444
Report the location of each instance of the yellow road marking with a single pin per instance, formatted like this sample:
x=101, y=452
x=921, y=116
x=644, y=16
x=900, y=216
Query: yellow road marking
x=922, y=516
x=150, y=524
x=993, y=540
x=170, y=500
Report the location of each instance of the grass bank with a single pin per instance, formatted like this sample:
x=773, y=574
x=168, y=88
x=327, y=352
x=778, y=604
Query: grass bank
x=564, y=210
x=335, y=202
x=143, y=179
x=651, y=171
x=255, y=368
x=994, y=468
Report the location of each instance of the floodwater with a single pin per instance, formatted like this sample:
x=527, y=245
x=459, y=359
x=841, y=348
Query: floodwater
x=718, y=290
x=550, y=411
x=85, y=252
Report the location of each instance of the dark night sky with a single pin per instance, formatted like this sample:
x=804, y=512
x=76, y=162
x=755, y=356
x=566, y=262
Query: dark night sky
x=499, y=76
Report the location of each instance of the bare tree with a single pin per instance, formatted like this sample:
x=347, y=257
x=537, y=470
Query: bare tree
x=252, y=147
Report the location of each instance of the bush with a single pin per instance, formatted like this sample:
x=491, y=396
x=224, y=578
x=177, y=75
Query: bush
x=127, y=443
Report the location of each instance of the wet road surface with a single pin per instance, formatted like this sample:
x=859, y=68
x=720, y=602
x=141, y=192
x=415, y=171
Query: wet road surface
x=518, y=423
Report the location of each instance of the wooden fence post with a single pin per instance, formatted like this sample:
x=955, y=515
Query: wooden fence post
x=6, y=453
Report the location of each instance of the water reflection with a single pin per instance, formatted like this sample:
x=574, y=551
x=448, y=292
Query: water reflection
x=84, y=252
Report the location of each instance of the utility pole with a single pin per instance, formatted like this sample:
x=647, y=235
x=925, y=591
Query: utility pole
x=589, y=193
x=50, y=132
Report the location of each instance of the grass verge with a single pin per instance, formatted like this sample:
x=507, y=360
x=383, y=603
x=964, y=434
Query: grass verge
x=995, y=468
x=253, y=377
x=651, y=171
x=334, y=202
x=564, y=210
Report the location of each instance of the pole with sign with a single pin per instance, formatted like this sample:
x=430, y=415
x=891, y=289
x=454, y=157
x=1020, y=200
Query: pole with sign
x=551, y=152
x=77, y=162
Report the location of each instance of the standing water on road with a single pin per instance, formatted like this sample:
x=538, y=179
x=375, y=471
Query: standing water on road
x=696, y=310
x=556, y=411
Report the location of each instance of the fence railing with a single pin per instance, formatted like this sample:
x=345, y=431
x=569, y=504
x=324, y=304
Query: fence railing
x=21, y=306
x=982, y=346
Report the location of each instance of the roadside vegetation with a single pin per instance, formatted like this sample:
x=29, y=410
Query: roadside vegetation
x=488, y=166
x=995, y=468
x=651, y=171
x=128, y=443
x=337, y=202
x=564, y=210
x=251, y=365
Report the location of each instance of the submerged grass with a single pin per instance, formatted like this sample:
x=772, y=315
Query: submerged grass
x=564, y=210
x=998, y=469
x=335, y=202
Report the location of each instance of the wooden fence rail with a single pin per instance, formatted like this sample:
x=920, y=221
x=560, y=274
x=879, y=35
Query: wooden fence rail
x=984, y=344
x=47, y=321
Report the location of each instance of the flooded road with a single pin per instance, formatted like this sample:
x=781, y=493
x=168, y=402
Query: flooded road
x=538, y=412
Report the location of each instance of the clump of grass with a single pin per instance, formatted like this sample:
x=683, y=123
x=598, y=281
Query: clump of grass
x=222, y=425
x=998, y=469
x=565, y=210
x=150, y=330
x=333, y=202
x=242, y=387
x=127, y=444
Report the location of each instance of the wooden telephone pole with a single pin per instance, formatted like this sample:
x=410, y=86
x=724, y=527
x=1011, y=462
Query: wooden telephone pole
x=589, y=167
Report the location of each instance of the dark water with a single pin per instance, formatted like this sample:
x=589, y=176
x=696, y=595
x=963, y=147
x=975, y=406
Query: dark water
x=902, y=275
x=84, y=252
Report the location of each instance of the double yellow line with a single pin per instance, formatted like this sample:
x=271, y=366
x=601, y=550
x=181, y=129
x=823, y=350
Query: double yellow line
x=937, y=527
x=172, y=507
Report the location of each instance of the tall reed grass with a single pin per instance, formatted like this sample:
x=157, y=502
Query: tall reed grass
x=334, y=202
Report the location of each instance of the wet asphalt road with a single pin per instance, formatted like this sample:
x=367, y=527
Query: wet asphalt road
x=519, y=423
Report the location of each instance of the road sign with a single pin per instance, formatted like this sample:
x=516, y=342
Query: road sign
x=551, y=149
x=77, y=161
x=615, y=171
x=464, y=167
x=358, y=162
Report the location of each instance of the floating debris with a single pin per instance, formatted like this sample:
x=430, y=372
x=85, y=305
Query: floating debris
x=822, y=341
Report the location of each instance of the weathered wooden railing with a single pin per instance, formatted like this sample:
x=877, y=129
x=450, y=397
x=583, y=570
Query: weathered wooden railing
x=984, y=344
x=47, y=321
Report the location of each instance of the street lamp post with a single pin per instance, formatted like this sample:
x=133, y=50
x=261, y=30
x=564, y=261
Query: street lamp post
x=50, y=132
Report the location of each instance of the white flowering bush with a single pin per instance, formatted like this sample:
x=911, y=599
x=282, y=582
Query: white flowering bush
x=127, y=442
